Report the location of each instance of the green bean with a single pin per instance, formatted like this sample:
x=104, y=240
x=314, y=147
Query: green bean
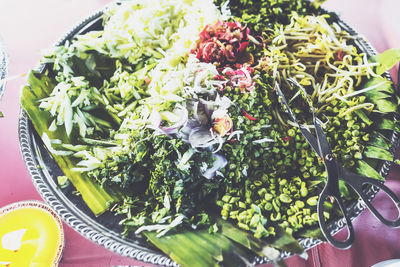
x=285, y=198
x=257, y=183
x=234, y=200
x=276, y=204
x=224, y=214
x=268, y=196
x=262, y=192
x=254, y=221
x=299, y=204
x=303, y=191
x=226, y=198
x=268, y=206
x=243, y=226
x=242, y=205
x=312, y=201
x=314, y=216
x=275, y=217
x=234, y=214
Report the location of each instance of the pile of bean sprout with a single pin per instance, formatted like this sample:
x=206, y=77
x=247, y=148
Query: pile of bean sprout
x=320, y=57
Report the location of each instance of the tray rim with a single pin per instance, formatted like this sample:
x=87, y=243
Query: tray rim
x=91, y=230
x=3, y=66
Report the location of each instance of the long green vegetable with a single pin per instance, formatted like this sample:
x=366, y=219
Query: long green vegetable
x=40, y=86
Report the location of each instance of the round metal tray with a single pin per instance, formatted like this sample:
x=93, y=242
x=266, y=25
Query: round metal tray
x=105, y=230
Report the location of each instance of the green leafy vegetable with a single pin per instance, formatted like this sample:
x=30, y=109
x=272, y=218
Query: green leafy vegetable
x=317, y=3
x=387, y=60
x=378, y=140
x=365, y=169
x=378, y=153
x=388, y=124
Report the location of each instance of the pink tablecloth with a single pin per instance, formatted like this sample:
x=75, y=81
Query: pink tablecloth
x=29, y=26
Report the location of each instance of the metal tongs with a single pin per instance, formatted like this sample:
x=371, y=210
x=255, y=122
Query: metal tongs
x=336, y=172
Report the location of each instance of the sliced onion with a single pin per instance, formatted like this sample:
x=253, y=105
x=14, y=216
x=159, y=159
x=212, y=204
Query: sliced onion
x=201, y=138
x=155, y=119
x=237, y=133
x=182, y=162
x=264, y=140
x=223, y=102
x=209, y=106
x=199, y=113
x=219, y=163
x=184, y=132
x=182, y=121
x=220, y=142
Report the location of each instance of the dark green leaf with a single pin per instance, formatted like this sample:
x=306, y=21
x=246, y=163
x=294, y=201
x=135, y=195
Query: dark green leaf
x=365, y=169
x=95, y=66
x=378, y=153
x=344, y=190
x=378, y=141
x=40, y=85
x=387, y=60
x=282, y=239
x=384, y=86
x=199, y=248
x=386, y=124
x=285, y=241
x=244, y=238
x=375, y=95
x=314, y=232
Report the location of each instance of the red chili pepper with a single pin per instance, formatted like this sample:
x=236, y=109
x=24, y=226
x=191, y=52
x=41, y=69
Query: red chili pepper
x=341, y=54
x=247, y=115
x=219, y=77
x=287, y=138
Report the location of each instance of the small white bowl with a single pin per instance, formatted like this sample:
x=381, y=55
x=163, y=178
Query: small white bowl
x=31, y=228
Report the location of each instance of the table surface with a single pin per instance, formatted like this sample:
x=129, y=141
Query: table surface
x=27, y=27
